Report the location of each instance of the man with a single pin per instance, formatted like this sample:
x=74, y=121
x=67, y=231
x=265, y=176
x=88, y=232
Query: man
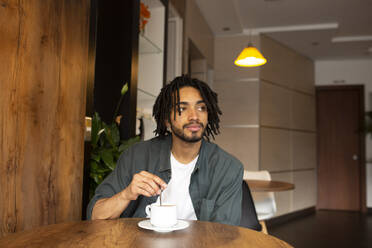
x=204, y=181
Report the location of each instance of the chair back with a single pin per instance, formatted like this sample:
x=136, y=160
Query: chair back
x=263, y=201
x=249, y=215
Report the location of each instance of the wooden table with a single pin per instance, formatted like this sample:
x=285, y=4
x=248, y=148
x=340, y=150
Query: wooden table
x=268, y=186
x=126, y=233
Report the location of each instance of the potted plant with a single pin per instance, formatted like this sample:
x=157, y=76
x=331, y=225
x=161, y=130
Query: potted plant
x=106, y=146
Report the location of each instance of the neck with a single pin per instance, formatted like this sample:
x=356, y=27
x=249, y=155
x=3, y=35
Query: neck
x=183, y=151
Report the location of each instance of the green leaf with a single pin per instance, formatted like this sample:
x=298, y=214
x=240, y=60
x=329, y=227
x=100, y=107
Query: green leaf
x=108, y=158
x=95, y=172
x=95, y=157
x=99, y=168
x=100, y=179
x=97, y=178
x=111, y=132
x=124, y=89
x=93, y=165
x=95, y=168
x=96, y=126
x=102, y=142
x=115, y=134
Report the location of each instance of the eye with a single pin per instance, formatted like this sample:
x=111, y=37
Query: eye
x=181, y=109
x=202, y=108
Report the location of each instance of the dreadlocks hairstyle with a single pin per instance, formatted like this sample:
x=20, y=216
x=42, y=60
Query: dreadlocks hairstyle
x=169, y=98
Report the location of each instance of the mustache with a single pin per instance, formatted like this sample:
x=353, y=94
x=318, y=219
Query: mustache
x=193, y=123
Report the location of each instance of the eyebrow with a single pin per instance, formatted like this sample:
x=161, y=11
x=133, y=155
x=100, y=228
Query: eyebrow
x=187, y=103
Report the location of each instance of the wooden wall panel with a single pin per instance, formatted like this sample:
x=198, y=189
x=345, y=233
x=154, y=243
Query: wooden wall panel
x=8, y=120
x=43, y=73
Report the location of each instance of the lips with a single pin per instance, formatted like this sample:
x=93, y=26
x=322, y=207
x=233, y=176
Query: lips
x=193, y=127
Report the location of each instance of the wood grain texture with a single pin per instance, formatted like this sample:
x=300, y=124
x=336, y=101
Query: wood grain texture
x=340, y=116
x=9, y=49
x=43, y=70
x=269, y=186
x=126, y=233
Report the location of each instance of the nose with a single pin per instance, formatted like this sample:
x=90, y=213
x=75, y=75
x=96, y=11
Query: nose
x=193, y=115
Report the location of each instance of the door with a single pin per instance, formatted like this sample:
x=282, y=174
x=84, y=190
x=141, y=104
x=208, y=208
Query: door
x=340, y=111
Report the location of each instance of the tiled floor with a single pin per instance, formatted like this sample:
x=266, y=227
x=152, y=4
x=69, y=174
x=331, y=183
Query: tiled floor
x=327, y=229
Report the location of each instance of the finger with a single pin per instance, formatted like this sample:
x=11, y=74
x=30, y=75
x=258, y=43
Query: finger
x=143, y=192
x=147, y=187
x=156, y=187
x=146, y=183
x=146, y=177
x=157, y=179
x=160, y=182
x=149, y=179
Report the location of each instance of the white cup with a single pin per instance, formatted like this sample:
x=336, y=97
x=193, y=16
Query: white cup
x=162, y=216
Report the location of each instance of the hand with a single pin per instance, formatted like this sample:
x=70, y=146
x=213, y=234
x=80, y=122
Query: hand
x=144, y=183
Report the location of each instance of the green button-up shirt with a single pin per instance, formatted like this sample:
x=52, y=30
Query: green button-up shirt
x=215, y=185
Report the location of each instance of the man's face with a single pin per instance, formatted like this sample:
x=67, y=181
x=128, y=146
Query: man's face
x=190, y=125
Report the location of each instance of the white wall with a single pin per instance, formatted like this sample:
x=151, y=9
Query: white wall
x=352, y=72
x=151, y=56
x=150, y=68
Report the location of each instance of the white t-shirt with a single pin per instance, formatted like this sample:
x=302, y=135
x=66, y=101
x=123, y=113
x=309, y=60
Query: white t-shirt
x=177, y=192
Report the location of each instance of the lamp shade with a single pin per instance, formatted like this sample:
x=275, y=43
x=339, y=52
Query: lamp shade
x=250, y=57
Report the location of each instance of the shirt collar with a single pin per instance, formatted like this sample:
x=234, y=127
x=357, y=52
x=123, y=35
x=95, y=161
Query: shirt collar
x=165, y=153
x=166, y=150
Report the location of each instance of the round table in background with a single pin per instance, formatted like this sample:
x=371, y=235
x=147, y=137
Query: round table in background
x=268, y=186
x=126, y=233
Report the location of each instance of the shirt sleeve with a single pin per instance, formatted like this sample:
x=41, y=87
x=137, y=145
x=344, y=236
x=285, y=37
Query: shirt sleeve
x=115, y=182
x=228, y=205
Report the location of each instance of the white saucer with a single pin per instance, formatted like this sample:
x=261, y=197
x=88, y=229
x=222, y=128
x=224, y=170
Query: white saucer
x=181, y=224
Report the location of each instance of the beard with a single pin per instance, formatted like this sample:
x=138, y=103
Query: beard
x=180, y=133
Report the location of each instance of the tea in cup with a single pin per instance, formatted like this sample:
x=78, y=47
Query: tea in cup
x=164, y=215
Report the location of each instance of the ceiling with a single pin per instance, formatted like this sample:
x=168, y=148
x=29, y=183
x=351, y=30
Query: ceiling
x=319, y=29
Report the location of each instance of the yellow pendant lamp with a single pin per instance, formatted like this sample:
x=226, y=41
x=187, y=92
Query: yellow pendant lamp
x=250, y=57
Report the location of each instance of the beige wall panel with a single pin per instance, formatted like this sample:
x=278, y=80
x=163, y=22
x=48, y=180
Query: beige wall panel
x=242, y=143
x=283, y=199
x=197, y=29
x=303, y=74
x=304, y=195
x=303, y=112
x=275, y=149
x=179, y=5
x=227, y=50
x=238, y=102
x=238, y=75
x=280, y=61
x=303, y=150
x=275, y=105
x=199, y=65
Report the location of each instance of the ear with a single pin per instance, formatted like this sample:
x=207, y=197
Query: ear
x=167, y=124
